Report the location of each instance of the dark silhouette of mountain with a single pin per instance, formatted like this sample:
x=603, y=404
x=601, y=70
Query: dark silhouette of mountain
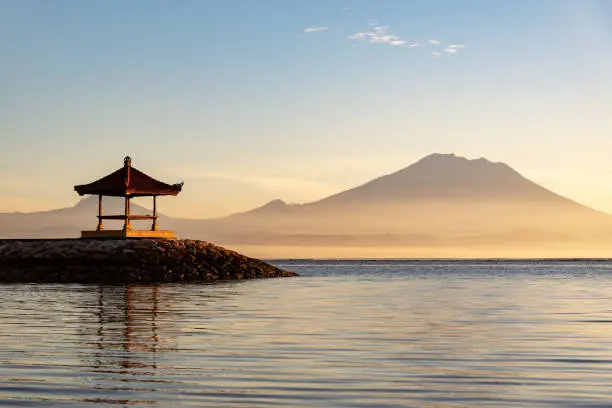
x=447, y=177
x=274, y=207
x=440, y=200
x=435, y=178
x=439, y=192
x=63, y=222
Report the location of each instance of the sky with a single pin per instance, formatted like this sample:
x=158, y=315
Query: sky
x=248, y=101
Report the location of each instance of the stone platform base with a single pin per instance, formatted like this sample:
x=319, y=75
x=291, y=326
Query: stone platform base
x=113, y=261
x=159, y=234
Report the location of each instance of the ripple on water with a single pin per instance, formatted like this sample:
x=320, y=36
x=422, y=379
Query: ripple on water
x=346, y=334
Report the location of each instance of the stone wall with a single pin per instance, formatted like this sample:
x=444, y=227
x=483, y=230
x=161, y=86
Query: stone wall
x=126, y=261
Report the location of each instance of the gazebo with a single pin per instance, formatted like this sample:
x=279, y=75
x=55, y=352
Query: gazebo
x=128, y=182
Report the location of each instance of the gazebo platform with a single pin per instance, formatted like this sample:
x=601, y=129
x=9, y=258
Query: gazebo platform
x=157, y=234
x=129, y=183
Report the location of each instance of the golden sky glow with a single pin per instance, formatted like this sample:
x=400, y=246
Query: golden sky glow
x=292, y=103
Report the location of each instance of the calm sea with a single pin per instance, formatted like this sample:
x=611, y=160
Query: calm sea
x=345, y=334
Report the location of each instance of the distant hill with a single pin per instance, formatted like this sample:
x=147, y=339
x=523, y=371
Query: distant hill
x=440, y=194
x=446, y=177
x=63, y=222
x=440, y=200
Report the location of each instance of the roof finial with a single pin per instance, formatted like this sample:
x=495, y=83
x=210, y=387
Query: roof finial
x=127, y=161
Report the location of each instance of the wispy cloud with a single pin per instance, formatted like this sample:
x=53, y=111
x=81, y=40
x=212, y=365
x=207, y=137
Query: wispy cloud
x=449, y=49
x=359, y=36
x=607, y=64
x=379, y=34
x=453, y=48
x=315, y=29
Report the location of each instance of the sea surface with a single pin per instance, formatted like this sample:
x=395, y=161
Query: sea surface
x=346, y=334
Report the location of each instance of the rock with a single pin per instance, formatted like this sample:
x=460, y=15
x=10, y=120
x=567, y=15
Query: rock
x=126, y=261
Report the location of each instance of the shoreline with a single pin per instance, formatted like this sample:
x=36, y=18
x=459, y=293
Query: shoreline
x=76, y=260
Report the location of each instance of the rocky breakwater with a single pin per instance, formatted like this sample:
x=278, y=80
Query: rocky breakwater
x=126, y=261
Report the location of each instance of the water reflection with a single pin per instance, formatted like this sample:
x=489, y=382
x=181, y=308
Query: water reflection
x=386, y=336
x=135, y=332
x=127, y=321
x=133, y=326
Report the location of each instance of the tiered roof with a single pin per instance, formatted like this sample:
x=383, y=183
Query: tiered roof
x=128, y=181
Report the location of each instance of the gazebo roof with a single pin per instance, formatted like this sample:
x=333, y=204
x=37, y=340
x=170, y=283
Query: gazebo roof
x=128, y=181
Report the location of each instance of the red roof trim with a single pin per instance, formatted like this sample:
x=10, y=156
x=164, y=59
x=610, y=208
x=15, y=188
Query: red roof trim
x=128, y=181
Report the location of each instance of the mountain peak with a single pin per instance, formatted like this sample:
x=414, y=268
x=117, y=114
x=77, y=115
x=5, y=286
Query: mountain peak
x=274, y=204
x=441, y=158
x=446, y=177
x=453, y=166
x=272, y=207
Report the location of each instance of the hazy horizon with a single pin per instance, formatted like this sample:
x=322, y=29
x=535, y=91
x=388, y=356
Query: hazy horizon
x=442, y=206
x=245, y=206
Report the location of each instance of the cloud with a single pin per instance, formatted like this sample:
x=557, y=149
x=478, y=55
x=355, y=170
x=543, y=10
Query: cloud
x=607, y=64
x=454, y=48
x=378, y=35
x=346, y=8
x=315, y=29
x=358, y=36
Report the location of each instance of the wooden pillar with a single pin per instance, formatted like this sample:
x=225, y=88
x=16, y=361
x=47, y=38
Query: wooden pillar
x=100, y=226
x=127, y=226
x=154, y=226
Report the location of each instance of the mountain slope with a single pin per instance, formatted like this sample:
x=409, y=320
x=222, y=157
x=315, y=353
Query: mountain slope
x=448, y=177
x=440, y=194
